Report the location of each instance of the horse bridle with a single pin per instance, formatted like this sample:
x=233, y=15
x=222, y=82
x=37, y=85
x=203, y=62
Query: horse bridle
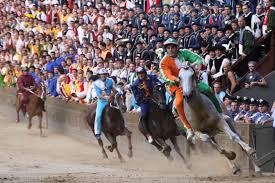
x=29, y=90
x=116, y=106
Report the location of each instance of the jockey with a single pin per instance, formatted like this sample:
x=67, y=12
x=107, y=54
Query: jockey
x=170, y=66
x=103, y=88
x=143, y=90
x=24, y=82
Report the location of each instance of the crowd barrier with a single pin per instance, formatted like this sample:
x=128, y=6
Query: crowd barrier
x=68, y=118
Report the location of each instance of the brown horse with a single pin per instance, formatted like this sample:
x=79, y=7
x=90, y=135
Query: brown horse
x=113, y=124
x=34, y=107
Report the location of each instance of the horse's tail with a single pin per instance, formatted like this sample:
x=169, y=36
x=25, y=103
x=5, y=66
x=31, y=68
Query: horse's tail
x=87, y=115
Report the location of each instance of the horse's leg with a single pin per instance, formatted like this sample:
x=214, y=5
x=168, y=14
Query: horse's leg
x=102, y=148
x=30, y=122
x=113, y=141
x=40, y=124
x=233, y=136
x=166, y=148
x=129, y=137
x=18, y=106
x=231, y=164
x=17, y=114
x=206, y=138
x=229, y=155
x=250, y=151
x=173, y=139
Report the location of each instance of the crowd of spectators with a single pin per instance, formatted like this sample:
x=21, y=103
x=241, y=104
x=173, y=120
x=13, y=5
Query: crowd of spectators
x=65, y=42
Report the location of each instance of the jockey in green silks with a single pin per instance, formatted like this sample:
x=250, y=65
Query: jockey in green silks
x=170, y=66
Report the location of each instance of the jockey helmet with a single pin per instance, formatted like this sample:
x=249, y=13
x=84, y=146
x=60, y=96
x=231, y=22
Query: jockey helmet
x=141, y=70
x=103, y=71
x=170, y=41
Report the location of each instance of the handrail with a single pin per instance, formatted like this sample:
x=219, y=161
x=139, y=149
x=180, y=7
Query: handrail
x=258, y=42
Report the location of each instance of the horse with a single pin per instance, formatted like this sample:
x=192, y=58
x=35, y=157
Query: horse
x=206, y=121
x=34, y=107
x=161, y=123
x=113, y=125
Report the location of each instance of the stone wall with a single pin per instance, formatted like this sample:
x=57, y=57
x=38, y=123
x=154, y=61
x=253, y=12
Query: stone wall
x=68, y=118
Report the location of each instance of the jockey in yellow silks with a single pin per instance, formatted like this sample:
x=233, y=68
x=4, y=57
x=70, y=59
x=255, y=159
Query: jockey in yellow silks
x=170, y=66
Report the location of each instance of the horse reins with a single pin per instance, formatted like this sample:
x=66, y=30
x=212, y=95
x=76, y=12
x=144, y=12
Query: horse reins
x=29, y=90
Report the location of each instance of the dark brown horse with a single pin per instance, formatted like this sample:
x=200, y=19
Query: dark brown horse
x=34, y=107
x=113, y=125
x=161, y=123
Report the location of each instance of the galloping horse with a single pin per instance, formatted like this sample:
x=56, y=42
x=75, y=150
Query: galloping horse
x=113, y=124
x=35, y=105
x=161, y=123
x=204, y=118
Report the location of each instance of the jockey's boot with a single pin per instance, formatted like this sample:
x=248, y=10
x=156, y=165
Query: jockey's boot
x=98, y=136
x=189, y=134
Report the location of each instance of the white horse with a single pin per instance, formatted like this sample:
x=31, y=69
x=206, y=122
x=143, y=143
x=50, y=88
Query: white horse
x=205, y=120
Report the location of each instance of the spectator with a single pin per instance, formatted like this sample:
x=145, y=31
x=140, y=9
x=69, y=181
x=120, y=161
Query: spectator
x=263, y=115
x=246, y=39
x=244, y=111
x=252, y=110
x=234, y=110
x=218, y=90
x=52, y=82
x=230, y=79
x=254, y=78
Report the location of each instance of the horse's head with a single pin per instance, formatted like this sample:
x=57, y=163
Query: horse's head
x=187, y=78
x=41, y=91
x=159, y=95
x=119, y=102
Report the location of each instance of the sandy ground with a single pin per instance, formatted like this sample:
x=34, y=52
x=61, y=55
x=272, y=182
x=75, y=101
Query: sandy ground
x=26, y=157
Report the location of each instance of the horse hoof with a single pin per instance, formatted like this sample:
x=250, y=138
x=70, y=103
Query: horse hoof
x=230, y=155
x=122, y=160
x=170, y=158
x=258, y=174
x=105, y=156
x=110, y=148
x=130, y=154
x=29, y=127
x=236, y=170
x=17, y=121
x=251, y=152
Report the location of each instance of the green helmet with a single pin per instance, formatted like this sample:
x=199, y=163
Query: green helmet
x=170, y=41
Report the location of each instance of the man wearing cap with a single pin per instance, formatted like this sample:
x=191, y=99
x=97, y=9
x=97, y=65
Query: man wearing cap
x=103, y=88
x=24, y=82
x=142, y=89
x=170, y=66
x=234, y=110
x=263, y=115
x=252, y=110
x=244, y=111
x=195, y=38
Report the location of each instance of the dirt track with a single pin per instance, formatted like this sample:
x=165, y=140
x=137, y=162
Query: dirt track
x=26, y=157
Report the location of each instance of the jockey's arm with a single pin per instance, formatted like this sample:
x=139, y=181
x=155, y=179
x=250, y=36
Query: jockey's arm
x=167, y=73
x=190, y=56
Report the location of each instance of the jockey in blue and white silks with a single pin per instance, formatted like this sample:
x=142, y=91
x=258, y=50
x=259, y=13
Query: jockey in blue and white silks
x=103, y=88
